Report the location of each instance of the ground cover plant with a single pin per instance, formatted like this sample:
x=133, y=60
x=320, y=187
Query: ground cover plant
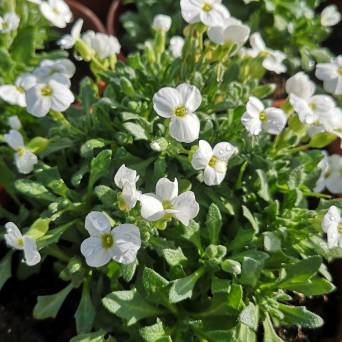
x=181, y=202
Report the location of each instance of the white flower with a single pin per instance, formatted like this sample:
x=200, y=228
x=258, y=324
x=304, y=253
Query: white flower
x=332, y=225
x=333, y=177
x=162, y=23
x=57, y=12
x=14, y=122
x=324, y=167
x=257, y=118
x=102, y=44
x=273, y=59
x=104, y=244
x=167, y=203
x=43, y=97
x=176, y=46
x=330, y=16
x=232, y=32
x=179, y=104
x=9, y=22
x=24, y=159
x=69, y=40
x=331, y=75
x=300, y=85
x=59, y=70
x=126, y=180
x=209, y=12
x=213, y=161
x=329, y=120
x=15, y=94
x=16, y=240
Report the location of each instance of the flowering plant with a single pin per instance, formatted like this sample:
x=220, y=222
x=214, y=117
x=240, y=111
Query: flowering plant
x=181, y=203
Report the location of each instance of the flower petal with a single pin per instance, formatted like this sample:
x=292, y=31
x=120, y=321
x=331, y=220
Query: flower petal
x=185, y=129
x=191, y=96
x=224, y=151
x=125, y=175
x=14, y=139
x=31, y=254
x=13, y=235
x=166, y=100
x=97, y=223
x=213, y=177
x=25, y=161
x=151, y=207
x=166, y=190
x=94, y=253
x=202, y=156
x=275, y=122
x=251, y=123
x=187, y=207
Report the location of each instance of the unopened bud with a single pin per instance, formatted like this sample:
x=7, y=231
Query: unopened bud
x=231, y=266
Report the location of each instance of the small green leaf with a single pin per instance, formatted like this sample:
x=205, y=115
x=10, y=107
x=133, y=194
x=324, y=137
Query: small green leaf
x=264, y=192
x=249, y=216
x=98, y=336
x=136, y=130
x=174, y=257
x=214, y=223
x=322, y=139
x=251, y=269
x=300, y=316
x=154, y=333
x=269, y=333
x=312, y=287
x=99, y=166
x=263, y=90
x=48, y=306
x=39, y=228
x=250, y=316
x=34, y=190
x=87, y=149
x=129, y=305
x=85, y=313
x=182, y=288
x=51, y=178
x=37, y=144
x=106, y=195
x=153, y=282
x=5, y=268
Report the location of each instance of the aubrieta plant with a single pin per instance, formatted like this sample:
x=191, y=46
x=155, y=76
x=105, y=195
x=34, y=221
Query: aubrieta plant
x=182, y=203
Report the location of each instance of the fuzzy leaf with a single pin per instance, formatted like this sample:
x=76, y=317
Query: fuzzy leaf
x=85, y=313
x=5, y=268
x=269, y=333
x=214, y=223
x=99, y=166
x=250, y=316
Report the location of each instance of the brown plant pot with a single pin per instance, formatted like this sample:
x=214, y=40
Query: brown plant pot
x=91, y=20
x=112, y=22
x=99, y=7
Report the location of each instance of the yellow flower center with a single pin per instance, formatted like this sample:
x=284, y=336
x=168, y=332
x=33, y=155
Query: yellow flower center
x=262, y=116
x=264, y=54
x=212, y=161
x=340, y=228
x=122, y=204
x=46, y=91
x=313, y=106
x=180, y=111
x=56, y=11
x=20, y=90
x=107, y=241
x=20, y=242
x=340, y=70
x=207, y=7
x=167, y=204
x=21, y=151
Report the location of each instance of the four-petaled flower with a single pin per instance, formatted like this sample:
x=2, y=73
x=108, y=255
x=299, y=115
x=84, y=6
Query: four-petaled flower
x=331, y=75
x=213, y=161
x=257, y=118
x=24, y=159
x=57, y=12
x=104, y=244
x=179, y=104
x=166, y=203
x=9, y=22
x=16, y=240
x=69, y=40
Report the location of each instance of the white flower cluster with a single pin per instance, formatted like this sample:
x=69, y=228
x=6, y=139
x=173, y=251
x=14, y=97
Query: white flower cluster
x=319, y=112
x=9, y=22
x=45, y=89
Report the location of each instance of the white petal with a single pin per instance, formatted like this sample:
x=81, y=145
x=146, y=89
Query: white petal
x=13, y=235
x=166, y=100
x=326, y=71
x=191, y=96
x=151, y=208
x=94, y=253
x=236, y=34
x=251, y=123
x=162, y=22
x=185, y=129
x=257, y=43
x=127, y=243
x=213, y=177
x=130, y=195
x=224, y=151
x=62, y=97
x=37, y=105
x=25, y=161
x=300, y=85
x=334, y=182
x=215, y=34
x=14, y=122
x=176, y=46
x=166, y=190
x=333, y=237
x=14, y=139
x=202, y=156
x=273, y=62
x=335, y=163
x=31, y=254
x=275, y=121
x=191, y=10
x=97, y=223
x=304, y=111
x=12, y=95
x=187, y=207
x=334, y=85
x=215, y=17
x=330, y=16
x=254, y=106
x=125, y=175
x=331, y=219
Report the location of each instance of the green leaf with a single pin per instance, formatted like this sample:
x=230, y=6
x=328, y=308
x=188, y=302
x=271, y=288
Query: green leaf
x=262, y=91
x=174, y=257
x=136, y=130
x=37, y=144
x=246, y=334
x=264, y=192
x=38, y=228
x=87, y=149
x=214, y=223
x=34, y=190
x=128, y=271
x=251, y=269
x=106, y=195
x=322, y=139
x=129, y=305
x=5, y=268
x=192, y=233
x=269, y=333
x=300, y=316
x=154, y=333
x=181, y=289
x=312, y=287
x=7, y=179
x=249, y=216
x=85, y=313
x=99, y=166
x=301, y=271
x=153, y=282
x=22, y=48
x=48, y=306
x=51, y=178
x=250, y=316
x=98, y=336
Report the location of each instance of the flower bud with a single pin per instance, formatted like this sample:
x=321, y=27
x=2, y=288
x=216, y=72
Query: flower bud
x=162, y=23
x=231, y=266
x=159, y=145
